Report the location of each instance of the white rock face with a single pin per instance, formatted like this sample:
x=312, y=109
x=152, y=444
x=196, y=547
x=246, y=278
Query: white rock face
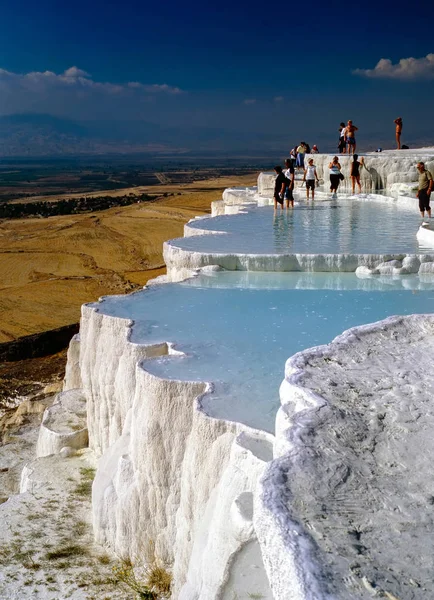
x=345, y=511
x=63, y=424
x=72, y=372
x=168, y=473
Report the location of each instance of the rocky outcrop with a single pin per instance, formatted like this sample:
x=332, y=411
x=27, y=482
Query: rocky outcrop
x=63, y=426
x=344, y=510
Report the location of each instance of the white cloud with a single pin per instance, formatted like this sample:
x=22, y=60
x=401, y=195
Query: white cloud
x=73, y=91
x=405, y=69
x=249, y=101
x=278, y=98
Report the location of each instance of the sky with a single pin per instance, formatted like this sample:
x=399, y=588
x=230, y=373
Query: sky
x=234, y=67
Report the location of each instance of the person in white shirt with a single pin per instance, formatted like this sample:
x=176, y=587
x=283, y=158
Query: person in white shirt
x=310, y=176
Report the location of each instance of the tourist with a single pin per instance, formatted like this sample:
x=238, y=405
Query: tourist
x=289, y=174
x=307, y=147
x=350, y=137
x=398, y=131
x=335, y=176
x=314, y=149
x=424, y=189
x=293, y=156
x=301, y=151
x=342, y=142
x=355, y=173
x=279, y=187
x=310, y=176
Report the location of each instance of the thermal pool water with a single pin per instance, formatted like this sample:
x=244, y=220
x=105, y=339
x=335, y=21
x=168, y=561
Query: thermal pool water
x=366, y=224
x=238, y=329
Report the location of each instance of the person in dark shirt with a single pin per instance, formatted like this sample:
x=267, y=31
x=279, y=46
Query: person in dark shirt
x=279, y=187
x=289, y=174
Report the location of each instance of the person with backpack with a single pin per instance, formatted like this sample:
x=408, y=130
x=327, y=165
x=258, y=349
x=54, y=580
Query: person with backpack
x=289, y=174
x=279, y=187
x=424, y=189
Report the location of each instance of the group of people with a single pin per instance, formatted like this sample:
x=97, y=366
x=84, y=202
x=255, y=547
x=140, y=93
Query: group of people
x=346, y=145
x=298, y=153
x=284, y=183
x=347, y=136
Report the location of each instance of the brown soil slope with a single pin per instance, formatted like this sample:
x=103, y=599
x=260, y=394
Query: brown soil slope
x=50, y=267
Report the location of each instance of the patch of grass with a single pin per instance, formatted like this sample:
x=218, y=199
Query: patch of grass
x=80, y=528
x=66, y=552
x=88, y=473
x=34, y=516
x=104, y=559
x=84, y=488
x=159, y=579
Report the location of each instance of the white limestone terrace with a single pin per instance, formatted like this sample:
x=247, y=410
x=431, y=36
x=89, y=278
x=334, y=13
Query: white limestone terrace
x=325, y=235
x=346, y=511
x=275, y=315
x=181, y=459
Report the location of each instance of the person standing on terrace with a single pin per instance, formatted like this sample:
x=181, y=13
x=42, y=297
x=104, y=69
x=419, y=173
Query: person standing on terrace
x=424, y=189
x=279, y=187
x=335, y=175
x=301, y=151
x=342, y=143
x=310, y=175
x=350, y=137
x=289, y=174
x=398, y=131
x=355, y=173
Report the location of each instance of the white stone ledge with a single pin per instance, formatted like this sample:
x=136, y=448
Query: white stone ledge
x=181, y=262
x=345, y=511
x=63, y=424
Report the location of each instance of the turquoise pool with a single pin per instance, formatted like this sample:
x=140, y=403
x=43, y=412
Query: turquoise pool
x=238, y=329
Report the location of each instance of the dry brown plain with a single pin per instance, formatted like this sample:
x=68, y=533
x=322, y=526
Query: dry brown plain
x=50, y=267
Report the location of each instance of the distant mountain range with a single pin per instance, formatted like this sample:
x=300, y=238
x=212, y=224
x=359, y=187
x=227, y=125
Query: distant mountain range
x=42, y=135
x=46, y=135
x=27, y=135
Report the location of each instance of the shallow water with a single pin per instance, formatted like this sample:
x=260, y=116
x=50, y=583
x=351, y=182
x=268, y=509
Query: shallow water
x=366, y=224
x=238, y=329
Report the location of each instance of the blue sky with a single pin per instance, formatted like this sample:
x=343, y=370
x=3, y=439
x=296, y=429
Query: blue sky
x=234, y=66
